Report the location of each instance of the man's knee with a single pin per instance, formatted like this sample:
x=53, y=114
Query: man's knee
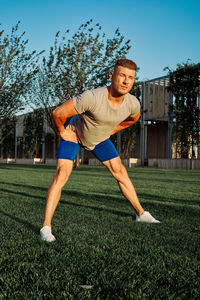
x=60, y=178
x=62, y=174
x=116, y=168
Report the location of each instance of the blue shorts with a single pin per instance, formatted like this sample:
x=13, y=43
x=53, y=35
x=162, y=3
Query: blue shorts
x=103, y=151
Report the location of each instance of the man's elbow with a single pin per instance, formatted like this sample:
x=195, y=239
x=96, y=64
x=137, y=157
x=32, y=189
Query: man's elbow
x=135, y=118
x=55, y=113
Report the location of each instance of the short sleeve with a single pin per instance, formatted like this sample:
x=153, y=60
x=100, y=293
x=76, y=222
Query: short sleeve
x=135, y=109
x=84, y=102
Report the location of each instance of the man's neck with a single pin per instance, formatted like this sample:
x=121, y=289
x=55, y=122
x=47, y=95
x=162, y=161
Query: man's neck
x=114, y=99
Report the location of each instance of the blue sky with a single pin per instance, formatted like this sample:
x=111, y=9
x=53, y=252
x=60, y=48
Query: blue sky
x=162, y=33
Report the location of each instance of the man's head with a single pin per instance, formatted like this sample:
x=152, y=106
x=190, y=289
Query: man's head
x=123, y=77
x=126, y=63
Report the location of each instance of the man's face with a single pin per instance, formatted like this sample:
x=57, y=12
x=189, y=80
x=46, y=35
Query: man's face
x=122, y=80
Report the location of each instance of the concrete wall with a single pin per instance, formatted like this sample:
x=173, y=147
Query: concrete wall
x=181, y=163
x=190, y=164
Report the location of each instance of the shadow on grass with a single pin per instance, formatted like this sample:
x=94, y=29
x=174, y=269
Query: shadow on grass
x=101, y=196
x=21, y=166
x=71, y=193
x=144, y=196
x=100, y=208
x=22, y=194
x=30, y=226
x=163, y=199
x=92, y=169
x=34, y=187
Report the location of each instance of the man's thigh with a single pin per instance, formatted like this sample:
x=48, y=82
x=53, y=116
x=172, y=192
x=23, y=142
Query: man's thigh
x=105, y=151
x=67, y=150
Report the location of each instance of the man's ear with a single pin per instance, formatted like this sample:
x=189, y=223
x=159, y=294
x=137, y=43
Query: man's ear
x=111, y=75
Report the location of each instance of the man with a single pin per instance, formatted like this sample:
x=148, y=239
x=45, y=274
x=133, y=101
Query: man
x=95, y=116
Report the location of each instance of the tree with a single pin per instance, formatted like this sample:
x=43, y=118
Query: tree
x=74, y=65
x=17, y=69
x=184, y=84
x=7, y=140
x=82, y=62
x=33, y=133
x=77, y=64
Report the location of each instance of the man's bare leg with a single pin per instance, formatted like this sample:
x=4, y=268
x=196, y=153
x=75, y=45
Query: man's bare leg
x=119, y=172
x=63, y=171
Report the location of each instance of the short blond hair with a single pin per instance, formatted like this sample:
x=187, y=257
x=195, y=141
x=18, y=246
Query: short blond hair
x=127, y=63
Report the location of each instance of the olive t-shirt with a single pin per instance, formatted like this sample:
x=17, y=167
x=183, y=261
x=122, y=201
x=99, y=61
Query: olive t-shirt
x=97, y=118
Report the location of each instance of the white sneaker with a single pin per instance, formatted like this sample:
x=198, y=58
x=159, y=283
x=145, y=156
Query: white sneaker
x=146, y=217
x=46, y=235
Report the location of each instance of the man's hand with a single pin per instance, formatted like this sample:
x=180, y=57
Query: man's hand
x=62, y=113
x=69, y=135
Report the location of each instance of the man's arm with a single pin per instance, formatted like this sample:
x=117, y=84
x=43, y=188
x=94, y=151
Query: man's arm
x=126, y=123
x=63, y=112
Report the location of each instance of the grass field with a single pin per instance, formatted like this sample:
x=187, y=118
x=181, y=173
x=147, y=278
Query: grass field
x=99, y=244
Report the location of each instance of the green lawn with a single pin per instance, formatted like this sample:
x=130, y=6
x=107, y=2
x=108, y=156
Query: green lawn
x=99, y=244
